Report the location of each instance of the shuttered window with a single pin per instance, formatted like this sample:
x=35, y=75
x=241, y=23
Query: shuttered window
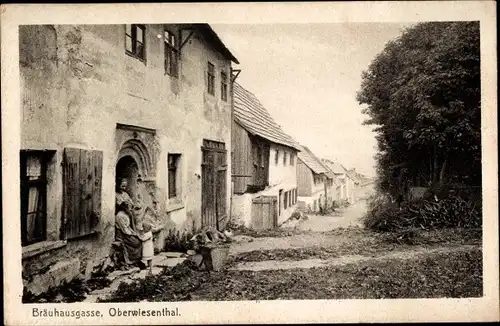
x=82, y=176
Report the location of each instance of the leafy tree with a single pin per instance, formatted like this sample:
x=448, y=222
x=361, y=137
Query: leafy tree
x=422, y=92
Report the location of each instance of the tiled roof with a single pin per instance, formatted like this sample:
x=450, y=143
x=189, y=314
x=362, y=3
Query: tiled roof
x=309, y=159
x=254, y=118
x=335, y=167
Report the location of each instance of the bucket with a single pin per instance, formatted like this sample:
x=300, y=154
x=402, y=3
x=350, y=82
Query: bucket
x=215, y=257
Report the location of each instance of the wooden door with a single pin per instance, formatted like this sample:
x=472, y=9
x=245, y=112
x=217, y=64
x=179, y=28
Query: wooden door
x=213, y=184
x=82, y=176
x=264, y=213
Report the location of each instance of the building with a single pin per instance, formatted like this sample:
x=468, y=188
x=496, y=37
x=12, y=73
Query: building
x=315, y=182
x=365, y=186
x=346, y=189
x=149, y=103
x=264, y=165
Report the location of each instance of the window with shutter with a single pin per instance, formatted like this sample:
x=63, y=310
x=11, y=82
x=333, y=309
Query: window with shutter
x=82, y=176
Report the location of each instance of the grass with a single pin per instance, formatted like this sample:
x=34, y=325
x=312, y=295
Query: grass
x=438, y=275
x=356, y=241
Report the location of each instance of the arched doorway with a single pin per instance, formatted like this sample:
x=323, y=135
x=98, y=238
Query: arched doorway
x=127, y=168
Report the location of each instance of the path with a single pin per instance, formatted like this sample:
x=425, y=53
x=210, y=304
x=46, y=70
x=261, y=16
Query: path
x=349, y=217
x=316, y=224
x=344, y=260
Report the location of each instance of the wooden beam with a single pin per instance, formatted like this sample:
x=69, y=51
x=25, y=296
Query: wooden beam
x=185, y=41
x=233, y=77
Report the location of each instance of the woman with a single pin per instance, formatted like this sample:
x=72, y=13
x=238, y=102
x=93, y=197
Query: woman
x=122, y=196
x=135, y=251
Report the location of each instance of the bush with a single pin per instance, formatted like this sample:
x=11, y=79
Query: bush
x=451, y=212
x=179, y=242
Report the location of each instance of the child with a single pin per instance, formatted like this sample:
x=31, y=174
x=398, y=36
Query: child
x=147, y=247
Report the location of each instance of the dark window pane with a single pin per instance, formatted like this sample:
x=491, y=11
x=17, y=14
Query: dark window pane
x=171, y=184
x=140, y=50
x=33, y=187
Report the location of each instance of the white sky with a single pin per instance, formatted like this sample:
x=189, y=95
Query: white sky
x=307, y=76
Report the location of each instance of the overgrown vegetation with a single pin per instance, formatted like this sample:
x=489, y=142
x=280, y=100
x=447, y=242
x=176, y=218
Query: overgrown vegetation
x=179, y=242
x=451, y=275
x=74, y=291
x=426, y=213
x=173, y=284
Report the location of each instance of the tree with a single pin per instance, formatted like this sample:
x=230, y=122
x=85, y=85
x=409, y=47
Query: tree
x=422, y=92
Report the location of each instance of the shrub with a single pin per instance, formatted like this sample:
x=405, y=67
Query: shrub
x=385, y=216
x=179, y=242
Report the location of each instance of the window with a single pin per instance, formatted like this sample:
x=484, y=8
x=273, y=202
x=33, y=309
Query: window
x=277, y=157
x=211, y=79
x=82, y=179
x=135, y=44
x=290, y=197
x=223, y=86
x=256, y=155
x=285, y=200
x=296, y=195
x=173, y=176
x=170, y=54
x=292, y=159
x=284, y=158
x=33, y=197
x=262, y=157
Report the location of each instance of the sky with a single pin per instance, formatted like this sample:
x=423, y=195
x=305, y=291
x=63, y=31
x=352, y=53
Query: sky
x=307, y=77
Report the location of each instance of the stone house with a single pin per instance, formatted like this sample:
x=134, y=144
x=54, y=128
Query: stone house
x=264, y=165
x=315, y=182
x=149, y=103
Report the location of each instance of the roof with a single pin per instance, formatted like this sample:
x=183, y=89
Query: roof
x=254, y=118
x=313, y=162
x=211, y=37
x=335, y=167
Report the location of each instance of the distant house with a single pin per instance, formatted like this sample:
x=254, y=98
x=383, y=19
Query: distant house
x=263, y=165
x=365, y=186
x=346, y=191
x=315, y=182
